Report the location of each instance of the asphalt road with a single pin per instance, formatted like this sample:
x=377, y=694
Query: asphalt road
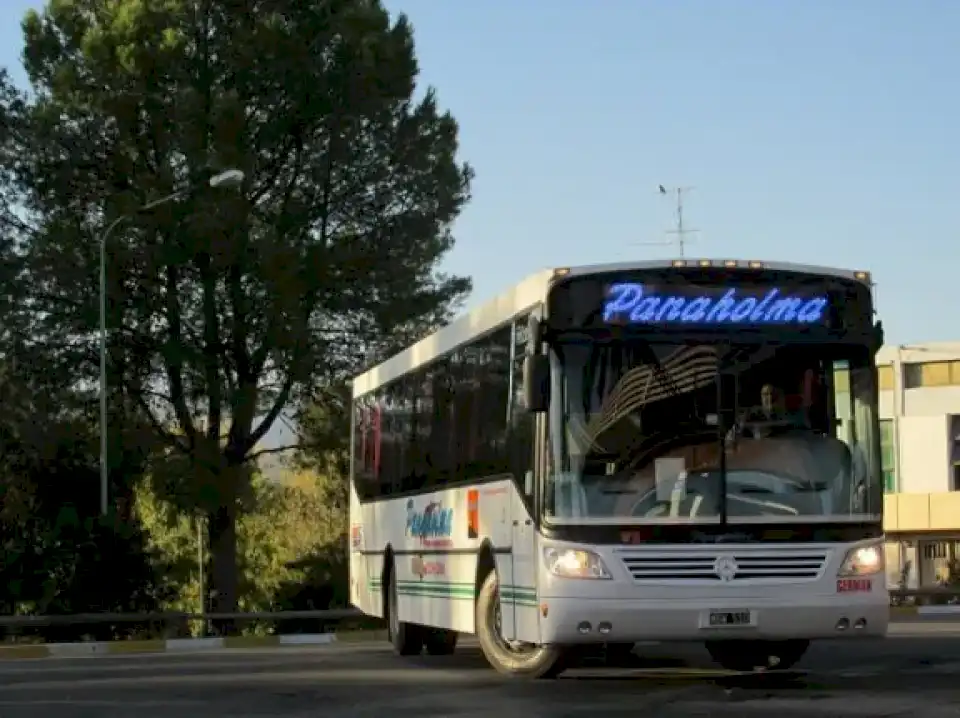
x=915, y=673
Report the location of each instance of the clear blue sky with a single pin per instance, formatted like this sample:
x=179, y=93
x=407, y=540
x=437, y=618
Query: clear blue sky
x=813, y=131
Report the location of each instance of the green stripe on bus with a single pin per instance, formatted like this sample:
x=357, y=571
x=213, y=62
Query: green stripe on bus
x=465, y=589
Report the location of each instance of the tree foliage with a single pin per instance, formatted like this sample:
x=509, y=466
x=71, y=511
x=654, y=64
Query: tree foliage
x=58, y=556
x=291, y=536
x=226, y=308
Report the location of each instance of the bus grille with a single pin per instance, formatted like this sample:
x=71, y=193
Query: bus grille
x=736, y=566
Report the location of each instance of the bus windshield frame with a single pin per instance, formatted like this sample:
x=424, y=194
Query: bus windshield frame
x=830, y=426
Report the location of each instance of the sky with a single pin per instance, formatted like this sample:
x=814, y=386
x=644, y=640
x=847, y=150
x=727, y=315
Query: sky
x=816, y=132
x=811, y=131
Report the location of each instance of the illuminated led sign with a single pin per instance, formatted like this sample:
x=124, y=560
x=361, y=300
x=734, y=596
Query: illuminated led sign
x=636, y=303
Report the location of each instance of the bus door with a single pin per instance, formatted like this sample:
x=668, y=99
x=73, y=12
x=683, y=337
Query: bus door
x=526, y=617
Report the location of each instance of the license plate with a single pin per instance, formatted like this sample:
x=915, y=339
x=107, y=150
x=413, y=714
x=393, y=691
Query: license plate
x=719, y=619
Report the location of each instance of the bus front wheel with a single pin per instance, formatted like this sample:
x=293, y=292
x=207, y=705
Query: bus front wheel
x=753, y=655
x=407, y=638
x=511, y=658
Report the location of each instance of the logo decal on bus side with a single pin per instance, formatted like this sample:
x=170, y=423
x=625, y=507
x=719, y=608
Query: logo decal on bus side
x=433, y=525
x=420, y=567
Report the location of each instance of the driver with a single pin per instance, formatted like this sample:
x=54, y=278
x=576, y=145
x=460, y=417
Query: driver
x=772, y=411
x=772, y=405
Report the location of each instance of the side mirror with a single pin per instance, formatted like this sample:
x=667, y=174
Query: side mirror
x=536, y=382
x=878, y=336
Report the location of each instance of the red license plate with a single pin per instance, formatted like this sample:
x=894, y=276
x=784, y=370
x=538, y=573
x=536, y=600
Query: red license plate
x=854, y=585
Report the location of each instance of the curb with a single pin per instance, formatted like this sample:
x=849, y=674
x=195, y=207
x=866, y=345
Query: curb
x=180, y=645
x=938, y=610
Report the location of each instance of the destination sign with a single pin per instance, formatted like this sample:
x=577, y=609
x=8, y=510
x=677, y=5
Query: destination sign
x=639, y=303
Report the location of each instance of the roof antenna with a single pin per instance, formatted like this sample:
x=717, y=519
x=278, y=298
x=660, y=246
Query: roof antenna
x=681, y=232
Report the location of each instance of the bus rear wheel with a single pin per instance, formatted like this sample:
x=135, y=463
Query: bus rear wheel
x=511, y=659
x=407, y=638
x=753, y=655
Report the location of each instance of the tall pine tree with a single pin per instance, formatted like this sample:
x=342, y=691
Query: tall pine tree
x=225, y=308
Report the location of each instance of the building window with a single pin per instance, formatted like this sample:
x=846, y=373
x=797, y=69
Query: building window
x=932, y=373
x=888, y=456
x=885, y=377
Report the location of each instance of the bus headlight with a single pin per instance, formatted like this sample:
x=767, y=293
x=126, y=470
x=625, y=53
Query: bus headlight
x=574, y=563
x=862, y=561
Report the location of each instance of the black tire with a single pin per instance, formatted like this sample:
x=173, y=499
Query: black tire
x=753, y=655
x=440, y=641
x=538, y=662
x=407, y=638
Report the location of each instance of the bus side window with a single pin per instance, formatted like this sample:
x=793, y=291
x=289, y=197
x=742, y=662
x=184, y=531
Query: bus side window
x=365, y=478
x=521, y=422
x=439, y=460
x=393, y=439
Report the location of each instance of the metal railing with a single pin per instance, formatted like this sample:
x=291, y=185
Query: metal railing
x=168, y=617
x=84, y=627
x=174, y=620
x=930, y=595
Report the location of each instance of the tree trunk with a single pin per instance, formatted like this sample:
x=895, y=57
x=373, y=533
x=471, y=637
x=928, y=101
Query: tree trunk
x=222, y=528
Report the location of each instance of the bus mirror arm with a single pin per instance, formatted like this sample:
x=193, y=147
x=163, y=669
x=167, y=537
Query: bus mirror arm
x=536, y=382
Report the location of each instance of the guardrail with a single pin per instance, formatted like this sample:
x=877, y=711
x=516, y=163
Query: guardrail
x=73, y=619
x=931, y=595
x=926, y=591
x=898, y=597
x=83, y=627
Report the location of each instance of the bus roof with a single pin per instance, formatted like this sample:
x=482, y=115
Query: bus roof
x=527, y=294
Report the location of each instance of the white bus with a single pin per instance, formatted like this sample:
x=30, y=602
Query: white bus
x=671, y=451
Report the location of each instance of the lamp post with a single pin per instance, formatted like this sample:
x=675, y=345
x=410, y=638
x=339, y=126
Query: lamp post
x=228, y=179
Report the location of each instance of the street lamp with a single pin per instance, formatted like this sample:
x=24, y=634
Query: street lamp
x=228, y=179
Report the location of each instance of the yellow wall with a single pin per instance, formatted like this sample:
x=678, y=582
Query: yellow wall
x=922, y=512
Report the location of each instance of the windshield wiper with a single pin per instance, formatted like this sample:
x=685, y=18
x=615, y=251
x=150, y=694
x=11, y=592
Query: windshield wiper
x=812, y=486
x=796, y=488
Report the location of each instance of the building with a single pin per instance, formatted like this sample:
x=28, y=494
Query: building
x=920, y=439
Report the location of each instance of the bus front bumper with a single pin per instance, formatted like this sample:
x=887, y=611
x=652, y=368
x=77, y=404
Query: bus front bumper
x=582, y=621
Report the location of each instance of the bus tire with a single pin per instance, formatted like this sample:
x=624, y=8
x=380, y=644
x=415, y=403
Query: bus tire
x=752, y=655
x=407, y=638
x=537, y=662
x=440, y=641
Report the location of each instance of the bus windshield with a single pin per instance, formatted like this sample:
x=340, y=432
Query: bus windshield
x=652, y=433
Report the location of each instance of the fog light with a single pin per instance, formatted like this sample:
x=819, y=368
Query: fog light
x=861, y=623
x=584, y=627
x=604, y=628
x=843, y=624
